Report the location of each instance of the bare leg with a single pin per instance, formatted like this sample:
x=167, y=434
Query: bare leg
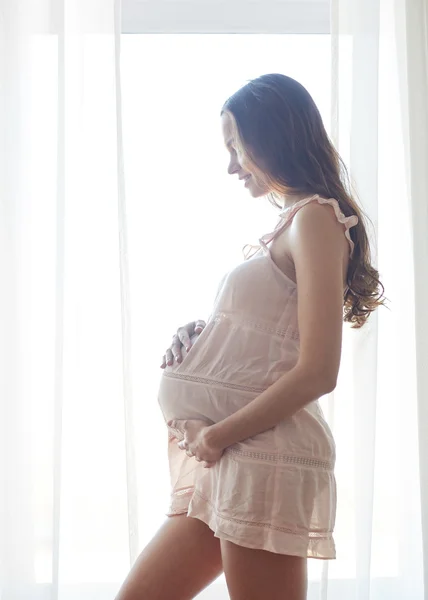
x=256, y=574
x=179, y=562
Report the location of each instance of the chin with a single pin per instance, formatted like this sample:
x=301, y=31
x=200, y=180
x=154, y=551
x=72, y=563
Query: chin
x=257, y=192
x=256, y=189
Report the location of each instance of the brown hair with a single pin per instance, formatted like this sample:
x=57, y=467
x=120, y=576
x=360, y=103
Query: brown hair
x=283, y=137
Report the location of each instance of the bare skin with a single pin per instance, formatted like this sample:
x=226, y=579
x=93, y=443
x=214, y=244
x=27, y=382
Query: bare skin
x=258, y=574
x=180, y=561
x=185, y=557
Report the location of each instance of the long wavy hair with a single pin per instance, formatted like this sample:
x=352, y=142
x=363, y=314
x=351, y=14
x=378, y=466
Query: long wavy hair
x=281, y=135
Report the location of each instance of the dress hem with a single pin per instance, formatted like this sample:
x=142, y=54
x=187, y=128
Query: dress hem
x=270, y=540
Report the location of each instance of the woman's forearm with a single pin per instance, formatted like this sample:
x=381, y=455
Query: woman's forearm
x=281, y=400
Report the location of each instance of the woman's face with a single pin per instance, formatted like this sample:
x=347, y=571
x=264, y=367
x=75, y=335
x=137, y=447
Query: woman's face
x=237, y=164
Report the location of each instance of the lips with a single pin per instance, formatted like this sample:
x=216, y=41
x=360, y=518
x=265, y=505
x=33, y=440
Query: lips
x=246, y=178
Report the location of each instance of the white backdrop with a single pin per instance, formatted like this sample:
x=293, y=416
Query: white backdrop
x=82, y=461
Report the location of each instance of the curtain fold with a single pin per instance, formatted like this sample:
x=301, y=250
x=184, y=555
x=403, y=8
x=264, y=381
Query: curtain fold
x=125, y=287
x=414, y=103
x=379, y=85
x=69, y=523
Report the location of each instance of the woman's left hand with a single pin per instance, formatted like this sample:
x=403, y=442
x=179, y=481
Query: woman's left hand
x=197, y=441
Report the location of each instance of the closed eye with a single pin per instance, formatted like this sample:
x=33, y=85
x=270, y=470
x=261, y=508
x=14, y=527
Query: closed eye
x=230, y=147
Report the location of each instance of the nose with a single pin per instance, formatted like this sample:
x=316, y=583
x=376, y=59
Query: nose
x=233, y=166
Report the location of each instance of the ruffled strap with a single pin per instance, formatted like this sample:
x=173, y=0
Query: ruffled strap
x=288, y=214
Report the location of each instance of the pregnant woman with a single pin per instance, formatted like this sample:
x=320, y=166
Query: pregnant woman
x=251, y=456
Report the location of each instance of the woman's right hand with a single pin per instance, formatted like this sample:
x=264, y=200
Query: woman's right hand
x=183, y=338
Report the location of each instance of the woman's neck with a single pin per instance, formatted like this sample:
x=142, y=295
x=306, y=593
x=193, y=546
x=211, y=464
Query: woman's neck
x=291, y=199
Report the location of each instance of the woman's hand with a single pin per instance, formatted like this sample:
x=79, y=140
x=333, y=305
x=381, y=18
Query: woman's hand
x=197, y=441
x=180, y=339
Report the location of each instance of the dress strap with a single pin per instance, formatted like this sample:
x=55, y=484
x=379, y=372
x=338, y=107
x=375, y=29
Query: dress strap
x=287, y=215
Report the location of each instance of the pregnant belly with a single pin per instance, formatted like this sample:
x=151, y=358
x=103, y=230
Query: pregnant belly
x=304, y=434
x=189, y=398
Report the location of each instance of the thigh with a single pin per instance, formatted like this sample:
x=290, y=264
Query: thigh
x=179, y=562
x=254, y=574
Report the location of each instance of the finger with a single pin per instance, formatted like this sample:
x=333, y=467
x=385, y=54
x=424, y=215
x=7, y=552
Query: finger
x=208, y=465
x=163, y=365
x=183, y=336
x=179, y=425
x=200, y=326
x=182, y=445
x=176, y=348
x=169, y=357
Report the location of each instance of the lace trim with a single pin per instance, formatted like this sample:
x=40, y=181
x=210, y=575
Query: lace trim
x=281, y=332
x=348, y=222
x=183, y=491
x=325, y=534
x=287, y=215
x=293, y=334
x=304, y=461
x=214, y=382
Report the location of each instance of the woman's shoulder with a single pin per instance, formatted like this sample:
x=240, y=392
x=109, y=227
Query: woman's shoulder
x=321, y=219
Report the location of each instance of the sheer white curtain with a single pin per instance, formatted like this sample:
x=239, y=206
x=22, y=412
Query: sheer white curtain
x=380, y=123
x=78, y=486
x=65, y=459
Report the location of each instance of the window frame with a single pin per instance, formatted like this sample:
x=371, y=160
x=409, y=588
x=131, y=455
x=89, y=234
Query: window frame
x=226, y=16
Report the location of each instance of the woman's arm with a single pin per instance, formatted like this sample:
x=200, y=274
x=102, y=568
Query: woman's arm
x=320, y=253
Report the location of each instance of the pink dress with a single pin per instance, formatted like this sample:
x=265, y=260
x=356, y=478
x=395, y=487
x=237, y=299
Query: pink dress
x=275, y=491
